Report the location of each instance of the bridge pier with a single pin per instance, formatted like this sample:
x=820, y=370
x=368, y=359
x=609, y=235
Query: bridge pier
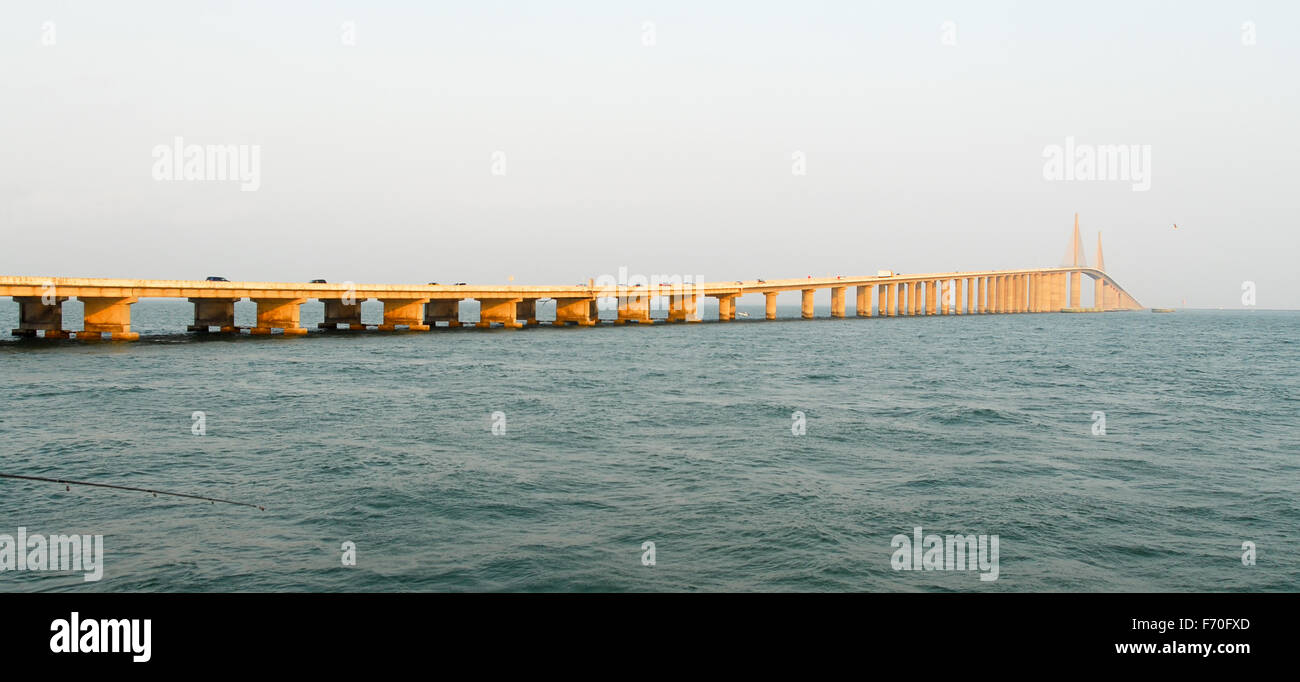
x=1059, y=284
x=35, y=315
x=338, y=311
x=278, y=313
x=958, y=295
x=580, y=311
x=863, y=308
x=682, y=308
x=806, y=303
x=498, y=310
x=1108, y=297
x=1076, y=280
x=214, y=312
x=891, y=298
x=837, y=302
x=110, y=316
x=635, y=307
x=526, y=310
x=442, y=310
x=403, y=312
x=726, y=307
x=983, y=295
x=769, y=305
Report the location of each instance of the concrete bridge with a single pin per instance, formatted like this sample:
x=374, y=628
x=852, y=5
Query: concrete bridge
x=107, y=302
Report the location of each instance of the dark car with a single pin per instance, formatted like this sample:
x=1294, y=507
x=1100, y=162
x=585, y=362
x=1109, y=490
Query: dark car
x=461, y=284
x=218, y=279
x=433, y=284
x=318, y=281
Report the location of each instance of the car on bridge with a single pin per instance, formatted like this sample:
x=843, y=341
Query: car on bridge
x=217, y=279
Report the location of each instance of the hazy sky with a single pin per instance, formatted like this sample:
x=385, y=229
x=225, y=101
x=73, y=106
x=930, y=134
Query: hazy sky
x=664, y=147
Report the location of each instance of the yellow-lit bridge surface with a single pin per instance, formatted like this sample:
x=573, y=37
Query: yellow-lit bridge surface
x=107, y=302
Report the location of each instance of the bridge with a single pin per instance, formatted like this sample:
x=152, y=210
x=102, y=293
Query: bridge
x=107, y=302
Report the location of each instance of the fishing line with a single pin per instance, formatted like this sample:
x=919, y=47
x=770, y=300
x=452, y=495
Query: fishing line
x=67, y=484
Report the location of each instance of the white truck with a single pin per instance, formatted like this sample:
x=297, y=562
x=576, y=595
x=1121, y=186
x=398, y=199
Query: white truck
x=884, y=273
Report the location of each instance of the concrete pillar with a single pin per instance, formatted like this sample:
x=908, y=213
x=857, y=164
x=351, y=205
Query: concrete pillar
x=580, y=311
x=864, y=301
x=442, y=310
x=983, y=294
x=726, y=308
x=944, y=289
x=769, y=305
x=1076, y=280
x=961, y=285
x=278, y=313
x=215, y=312
x=634, y=307
x=1020, y=294
x=110, y=316
x=1096, y=293
x=493, y=310
x=891, y=296
x=806, y=307
x=526, y=310
x=682, y=308
x=408, y=312
x=337, y=311
x=34, y=315
x=837, y=302
x=882, y=293
x=1059, y=283
x=931, y=298
x=903, y=295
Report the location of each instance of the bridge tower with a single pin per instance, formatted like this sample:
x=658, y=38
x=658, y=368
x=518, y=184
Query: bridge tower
x=1076, y=260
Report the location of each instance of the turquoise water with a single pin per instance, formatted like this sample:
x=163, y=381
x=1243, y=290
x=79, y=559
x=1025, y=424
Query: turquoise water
x=679, y=435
